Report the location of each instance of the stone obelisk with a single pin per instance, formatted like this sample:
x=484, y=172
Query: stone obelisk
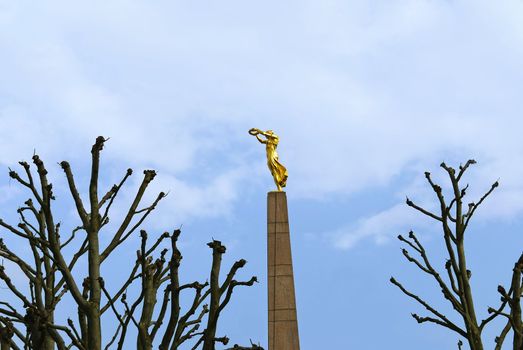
x=283, y=323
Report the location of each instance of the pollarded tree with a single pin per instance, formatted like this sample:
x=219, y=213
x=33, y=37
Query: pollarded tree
x=51, y=273
x=454, y=216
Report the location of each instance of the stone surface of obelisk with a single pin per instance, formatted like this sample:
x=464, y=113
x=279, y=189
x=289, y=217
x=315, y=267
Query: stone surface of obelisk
x=283, y=323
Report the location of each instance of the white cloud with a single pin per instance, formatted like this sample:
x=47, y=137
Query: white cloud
x=380, y=227
x=185, y=201
x=357, y=91
x=504, y=203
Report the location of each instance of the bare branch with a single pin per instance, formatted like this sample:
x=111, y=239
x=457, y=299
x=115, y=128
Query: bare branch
x=72, y=236
x=74, y=192
x=463, y=168
x=501, y=338
x=420, y=319
x=442, y=317
x=146, y=212
x=12, y=287
x=148, y=177
x=476, y=205
x=110, y=301
x=427, y=268
x=421, y=210
x=113, y=192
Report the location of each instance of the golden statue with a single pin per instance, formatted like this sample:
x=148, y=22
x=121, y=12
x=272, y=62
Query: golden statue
x=278, y=171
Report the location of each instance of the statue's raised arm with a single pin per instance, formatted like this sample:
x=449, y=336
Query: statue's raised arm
x=257, y=132
x=278, y=171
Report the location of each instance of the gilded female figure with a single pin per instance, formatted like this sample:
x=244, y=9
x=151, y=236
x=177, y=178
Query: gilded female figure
x=278, y=171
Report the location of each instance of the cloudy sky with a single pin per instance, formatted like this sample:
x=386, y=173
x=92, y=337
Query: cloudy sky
x=365, y=96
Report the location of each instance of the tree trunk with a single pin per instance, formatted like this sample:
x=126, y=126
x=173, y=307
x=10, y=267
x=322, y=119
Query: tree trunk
x=94, y=329
x=210, y=331
x=6, y=333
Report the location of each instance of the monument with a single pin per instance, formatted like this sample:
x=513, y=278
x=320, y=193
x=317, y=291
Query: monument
x=283, y=323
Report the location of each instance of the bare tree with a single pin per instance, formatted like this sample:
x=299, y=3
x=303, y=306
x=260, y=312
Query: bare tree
x=51, y=274
x=454, y=217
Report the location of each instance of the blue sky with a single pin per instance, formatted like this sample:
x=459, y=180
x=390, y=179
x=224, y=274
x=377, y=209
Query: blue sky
x=365, y=95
